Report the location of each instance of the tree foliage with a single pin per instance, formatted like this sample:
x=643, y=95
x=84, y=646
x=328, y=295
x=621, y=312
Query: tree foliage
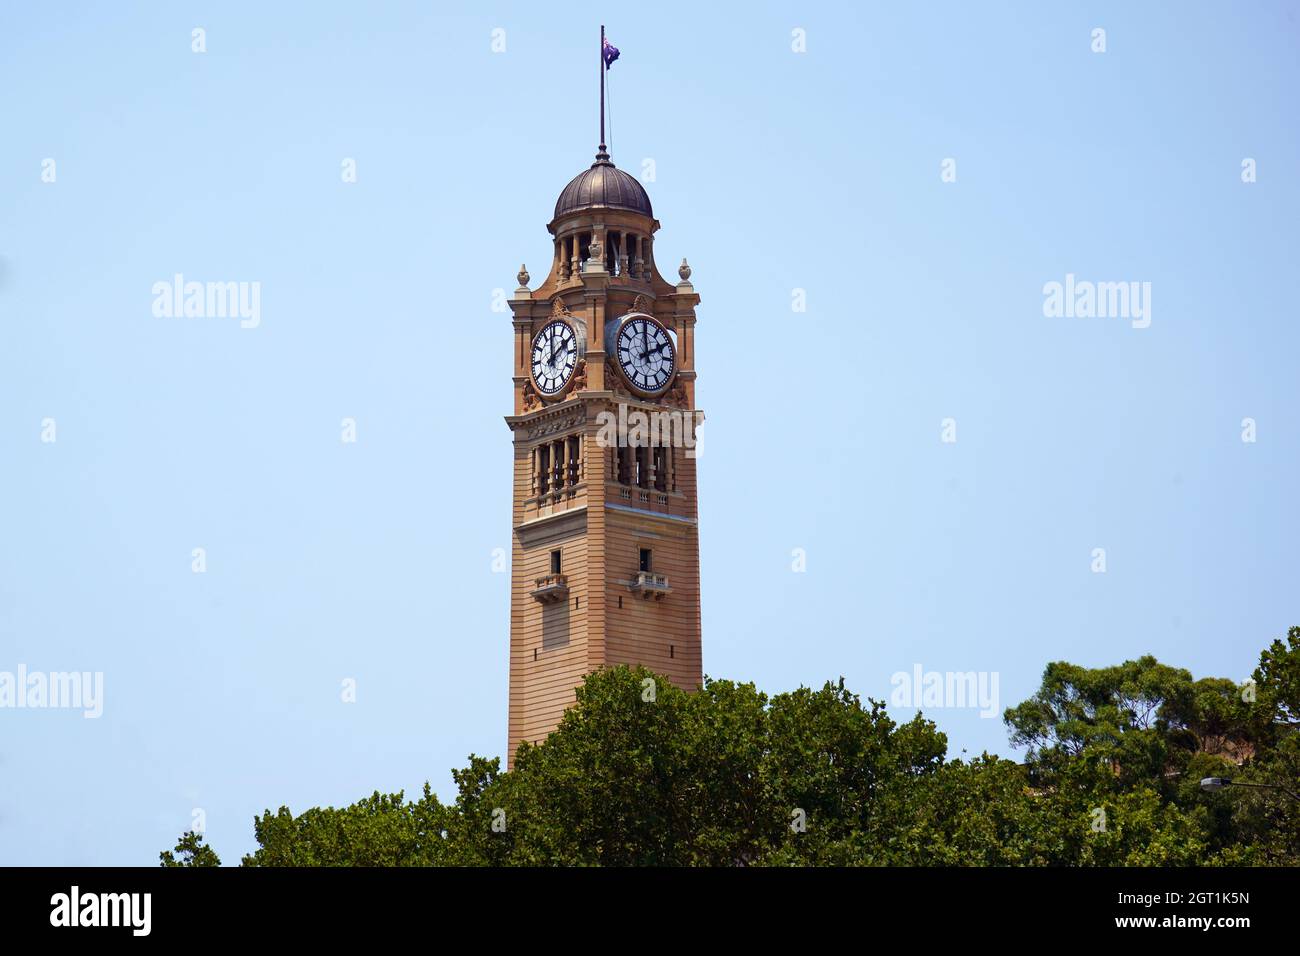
x=639, y=773
x=190, y=851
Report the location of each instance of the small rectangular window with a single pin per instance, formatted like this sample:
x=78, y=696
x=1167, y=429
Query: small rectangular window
x=646, y=559
x=555, y=562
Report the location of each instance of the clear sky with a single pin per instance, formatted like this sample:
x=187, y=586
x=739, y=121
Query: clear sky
x=773, y=171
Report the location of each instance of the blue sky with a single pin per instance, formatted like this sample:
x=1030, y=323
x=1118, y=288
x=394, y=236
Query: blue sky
x=774, y=171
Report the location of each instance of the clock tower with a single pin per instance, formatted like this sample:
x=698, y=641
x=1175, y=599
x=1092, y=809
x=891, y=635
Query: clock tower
x=605, y=553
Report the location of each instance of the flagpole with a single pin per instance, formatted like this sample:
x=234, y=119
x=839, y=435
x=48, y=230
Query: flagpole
x=602, y=87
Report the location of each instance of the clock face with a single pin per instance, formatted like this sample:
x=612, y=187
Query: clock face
x=645, y=353
x=555, y=352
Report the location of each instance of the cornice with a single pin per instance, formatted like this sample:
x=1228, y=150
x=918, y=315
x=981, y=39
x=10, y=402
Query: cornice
x=628, y=509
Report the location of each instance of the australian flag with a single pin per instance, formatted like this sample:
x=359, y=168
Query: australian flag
x=611, y=54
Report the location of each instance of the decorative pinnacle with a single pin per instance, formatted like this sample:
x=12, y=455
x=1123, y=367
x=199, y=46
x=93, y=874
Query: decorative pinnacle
x=523, y=276
x=602, y=157
x=684, y=270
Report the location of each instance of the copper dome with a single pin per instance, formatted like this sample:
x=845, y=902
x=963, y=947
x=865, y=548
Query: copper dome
x=604, y=185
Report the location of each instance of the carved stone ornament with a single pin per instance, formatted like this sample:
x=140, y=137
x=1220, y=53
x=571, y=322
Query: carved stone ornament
x=684, y=271
x=579, y=376
x=523, y=275
x=642, y=303
x=551, y=426
x=677, y=394
x=613, y=377
x=559, y=310
x=531, y=399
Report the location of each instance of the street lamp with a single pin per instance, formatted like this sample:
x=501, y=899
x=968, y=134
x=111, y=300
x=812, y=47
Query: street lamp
x=1214, y=784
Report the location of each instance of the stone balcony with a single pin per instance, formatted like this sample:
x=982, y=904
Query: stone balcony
x=551, y=589
x=650, y=585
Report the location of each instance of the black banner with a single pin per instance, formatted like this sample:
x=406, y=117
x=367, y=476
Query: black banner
x=232, y=904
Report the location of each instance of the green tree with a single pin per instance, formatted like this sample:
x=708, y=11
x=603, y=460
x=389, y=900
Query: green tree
x=1266, y=822
x=639, y=773
x=191, y=852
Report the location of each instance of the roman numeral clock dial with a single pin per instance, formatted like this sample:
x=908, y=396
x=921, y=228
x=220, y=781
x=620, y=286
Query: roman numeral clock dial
x=645, y=354
x=555, y=353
